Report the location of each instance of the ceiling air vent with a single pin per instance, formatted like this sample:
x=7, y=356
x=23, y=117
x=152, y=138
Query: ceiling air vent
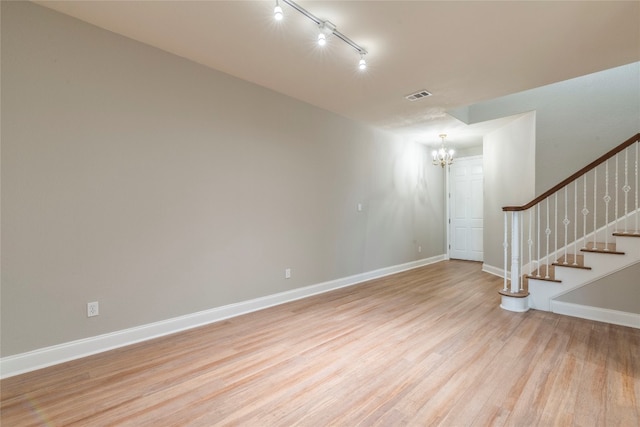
x=418, y=95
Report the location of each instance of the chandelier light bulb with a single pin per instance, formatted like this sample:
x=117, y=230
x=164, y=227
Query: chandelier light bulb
x=277, y=12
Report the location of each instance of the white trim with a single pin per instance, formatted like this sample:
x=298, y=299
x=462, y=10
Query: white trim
x=496, y=271
x=447, y=210
x=48, y=356
x=519, y=305
x=596, y=313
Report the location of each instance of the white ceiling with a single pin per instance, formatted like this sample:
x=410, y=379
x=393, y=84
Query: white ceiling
x=463, y=52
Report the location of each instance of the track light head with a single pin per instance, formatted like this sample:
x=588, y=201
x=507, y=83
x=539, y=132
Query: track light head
x=326, y=29
x=362, y=65
x=277, y=12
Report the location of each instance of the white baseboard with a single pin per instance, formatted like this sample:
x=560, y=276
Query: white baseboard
x=499, y=271
x=596, y=313
x=49, y=356
x=496, y=271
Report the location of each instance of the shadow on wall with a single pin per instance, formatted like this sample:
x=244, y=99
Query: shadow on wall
x=410, y=207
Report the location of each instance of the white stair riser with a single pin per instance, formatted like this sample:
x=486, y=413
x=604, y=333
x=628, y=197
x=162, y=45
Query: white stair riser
x=541, y=292
x=572, y=275
x=629, y=245
x=603, y=264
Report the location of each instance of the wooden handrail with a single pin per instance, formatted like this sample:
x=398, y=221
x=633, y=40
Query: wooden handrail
x=575, y=176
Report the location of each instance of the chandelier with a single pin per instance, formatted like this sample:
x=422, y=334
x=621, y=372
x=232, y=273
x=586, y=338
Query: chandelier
x=442, y=156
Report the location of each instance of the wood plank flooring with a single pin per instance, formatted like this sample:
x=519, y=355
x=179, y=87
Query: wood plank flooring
x=425, y=347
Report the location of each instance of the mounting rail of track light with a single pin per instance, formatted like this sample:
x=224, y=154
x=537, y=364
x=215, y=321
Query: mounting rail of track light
x=326, y=28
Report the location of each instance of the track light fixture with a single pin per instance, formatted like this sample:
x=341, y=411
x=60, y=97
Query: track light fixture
x=326, y=29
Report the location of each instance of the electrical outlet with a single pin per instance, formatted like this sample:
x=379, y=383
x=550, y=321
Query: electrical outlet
x=93, y=309
x=419, y=249
x=287, y=273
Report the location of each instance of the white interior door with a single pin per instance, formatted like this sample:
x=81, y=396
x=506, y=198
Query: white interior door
x=466, y=209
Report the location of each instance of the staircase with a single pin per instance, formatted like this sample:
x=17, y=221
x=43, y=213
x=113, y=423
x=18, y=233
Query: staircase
x=576, y=270
x=578, y=232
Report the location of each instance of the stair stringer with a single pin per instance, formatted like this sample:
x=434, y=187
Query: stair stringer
x=542, y=292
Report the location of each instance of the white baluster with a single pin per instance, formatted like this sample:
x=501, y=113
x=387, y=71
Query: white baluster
x=626, y=190
x=575, y=223
x=585, y=212
x=566, y=223
x=555, y=227
x=595, y=206
x=617, y=190
x=520, y=269
x=505, y=245
x=547, y=231
x=530, y=242
x=538, y=229
x=606, y=199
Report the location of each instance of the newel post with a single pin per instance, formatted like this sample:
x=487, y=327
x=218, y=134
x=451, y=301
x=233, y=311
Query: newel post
x=513, y=298
x=515, y=252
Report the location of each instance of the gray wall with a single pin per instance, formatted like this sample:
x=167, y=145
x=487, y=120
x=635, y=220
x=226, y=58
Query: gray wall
x=618, y=291
x=160, y=188
x=577, y=120
x=509, y=173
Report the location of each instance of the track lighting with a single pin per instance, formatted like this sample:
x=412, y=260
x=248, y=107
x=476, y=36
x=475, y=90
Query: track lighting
x=326, y=29
x=277, y=12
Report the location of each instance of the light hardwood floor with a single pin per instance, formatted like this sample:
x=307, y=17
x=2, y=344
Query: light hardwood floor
x=425, y=347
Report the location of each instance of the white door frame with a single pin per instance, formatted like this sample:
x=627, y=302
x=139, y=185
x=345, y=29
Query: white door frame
x=447, y=214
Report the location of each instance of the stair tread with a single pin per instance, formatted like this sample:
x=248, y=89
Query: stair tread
x=569, y=265
x=571, y=261
x=520, y=294
x=550, y=279
x=630, y=233
x=542, y=272
x=611, y=246
x=602, y=251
